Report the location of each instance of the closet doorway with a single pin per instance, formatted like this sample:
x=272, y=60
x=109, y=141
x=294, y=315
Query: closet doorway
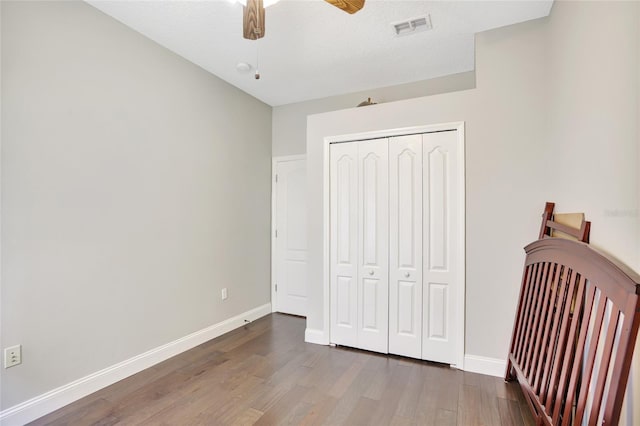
x=396, y=243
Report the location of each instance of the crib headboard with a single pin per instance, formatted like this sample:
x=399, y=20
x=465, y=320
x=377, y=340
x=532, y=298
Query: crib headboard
x=574, y=333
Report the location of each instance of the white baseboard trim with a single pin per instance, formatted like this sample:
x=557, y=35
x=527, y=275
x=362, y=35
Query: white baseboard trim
x=46, y=403
x=484, y=365
x=312, y=335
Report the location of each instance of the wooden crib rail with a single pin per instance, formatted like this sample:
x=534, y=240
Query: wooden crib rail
x=574, y=333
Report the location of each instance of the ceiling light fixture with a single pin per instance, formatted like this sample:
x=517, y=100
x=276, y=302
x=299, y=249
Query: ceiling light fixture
x=265, y=3
x=349, y=6
x=253, y=26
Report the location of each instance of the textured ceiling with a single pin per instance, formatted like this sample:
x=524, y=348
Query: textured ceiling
x=312, y=49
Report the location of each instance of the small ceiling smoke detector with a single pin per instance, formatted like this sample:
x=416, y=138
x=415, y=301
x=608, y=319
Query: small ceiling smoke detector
x=412, y=26
x=243, y=67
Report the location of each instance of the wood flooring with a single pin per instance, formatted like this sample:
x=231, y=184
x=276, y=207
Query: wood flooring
x=264, y=374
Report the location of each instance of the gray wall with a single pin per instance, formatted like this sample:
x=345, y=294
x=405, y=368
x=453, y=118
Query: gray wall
x=553, y=118
x=133, y=190
x=592, y=118
x=290, y=121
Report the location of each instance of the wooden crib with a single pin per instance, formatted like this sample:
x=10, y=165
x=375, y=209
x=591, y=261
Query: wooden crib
x=575, y=329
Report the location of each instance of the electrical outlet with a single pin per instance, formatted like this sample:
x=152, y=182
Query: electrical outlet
x=224, y=294
x=12, y=356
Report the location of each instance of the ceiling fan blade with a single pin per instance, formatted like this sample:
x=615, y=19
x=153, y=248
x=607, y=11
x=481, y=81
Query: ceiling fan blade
x=349, y=6
x=253, y=26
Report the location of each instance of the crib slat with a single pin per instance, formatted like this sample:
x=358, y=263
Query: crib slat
x=562, y=340
x=551, y=350
x=543, y=327
x=587, y=308
x=624, y=354
x=569, y=352
x=588, y=367
x=563, y=397
x=523, y=312
x=524, y=357
x=547, y=328
x=604, y=362
x=516, y=327
x=536, y=329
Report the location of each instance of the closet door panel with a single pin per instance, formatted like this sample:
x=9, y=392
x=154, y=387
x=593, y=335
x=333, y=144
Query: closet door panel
x=405, y=245
x=344, y=243
x=440, y=235
x=407, y=299
x=373, y=245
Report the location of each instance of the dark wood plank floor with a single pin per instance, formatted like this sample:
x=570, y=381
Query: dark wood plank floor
x=264, y=374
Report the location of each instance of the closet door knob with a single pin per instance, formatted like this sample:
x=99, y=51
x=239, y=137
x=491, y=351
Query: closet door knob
x=371, y=272
x=407, y=275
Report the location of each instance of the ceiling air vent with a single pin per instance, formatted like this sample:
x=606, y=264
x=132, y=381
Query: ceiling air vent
x=412, y=26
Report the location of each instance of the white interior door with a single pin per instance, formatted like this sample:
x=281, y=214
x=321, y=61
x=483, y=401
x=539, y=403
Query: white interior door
x=440, y=263
x=405, y=245
x=344, y=243
x=373, y=245
x=290, y=257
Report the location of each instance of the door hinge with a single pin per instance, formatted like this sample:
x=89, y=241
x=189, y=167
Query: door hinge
x=276, y=178
x=276, y=287
x=276, y=233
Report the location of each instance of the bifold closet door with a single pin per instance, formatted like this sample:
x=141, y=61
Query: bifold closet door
x=344, y=243
x=359, y=244
x=405, y=245
x=440, y=262
x=394, y=231
x=373, y=245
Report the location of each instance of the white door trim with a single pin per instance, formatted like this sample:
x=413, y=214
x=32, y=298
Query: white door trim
x=274, y=197
x=459, y=127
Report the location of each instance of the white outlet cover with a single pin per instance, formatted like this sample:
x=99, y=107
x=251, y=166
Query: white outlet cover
x=12, y=356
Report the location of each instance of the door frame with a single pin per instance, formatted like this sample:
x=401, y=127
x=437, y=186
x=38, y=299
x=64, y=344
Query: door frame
x=274, y=221
x=458, y=126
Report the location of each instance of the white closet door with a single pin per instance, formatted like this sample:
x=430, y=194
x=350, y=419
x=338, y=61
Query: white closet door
x=344, y=243
x=373, y=245
x=405, y=245
x=440, y=284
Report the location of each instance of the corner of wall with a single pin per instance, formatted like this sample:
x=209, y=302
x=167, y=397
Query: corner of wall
x=318, y=337
x=485, y=365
